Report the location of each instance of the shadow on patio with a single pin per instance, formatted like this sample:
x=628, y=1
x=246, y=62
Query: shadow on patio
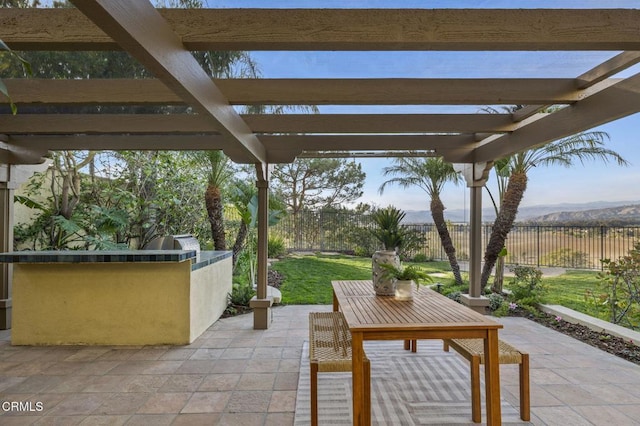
x=234, y=375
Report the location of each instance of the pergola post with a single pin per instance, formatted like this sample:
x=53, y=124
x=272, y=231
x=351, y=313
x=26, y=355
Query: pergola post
x=475, y=175
x=11, y=176
x=7, y=189
x=261, y=302
x=475, y=241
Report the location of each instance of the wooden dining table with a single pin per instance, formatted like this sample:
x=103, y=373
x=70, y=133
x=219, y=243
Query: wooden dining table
x=429, y=315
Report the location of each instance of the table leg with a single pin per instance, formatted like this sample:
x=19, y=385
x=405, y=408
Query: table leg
x=492, y=378
x=336, y=305
x=359, y=404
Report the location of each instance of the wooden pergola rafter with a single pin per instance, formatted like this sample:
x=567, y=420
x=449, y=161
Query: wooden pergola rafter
x=161, y=39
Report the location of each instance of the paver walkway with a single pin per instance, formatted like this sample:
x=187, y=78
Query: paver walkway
x=234, y=375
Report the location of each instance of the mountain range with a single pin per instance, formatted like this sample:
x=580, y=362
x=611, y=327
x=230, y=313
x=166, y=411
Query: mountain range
x=598, y=211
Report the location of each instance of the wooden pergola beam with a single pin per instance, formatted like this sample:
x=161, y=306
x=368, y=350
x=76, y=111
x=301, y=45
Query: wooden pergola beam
x=369, y=91
x=281, y=149
x=607, y=69
x=367, y=142
x=380, y=123
x=141, y=30
x=594, y=76
x=119, y=142
x=208, y=142
x=344, y=29
x=259, y=123
x=614, y=102
x=51, y=124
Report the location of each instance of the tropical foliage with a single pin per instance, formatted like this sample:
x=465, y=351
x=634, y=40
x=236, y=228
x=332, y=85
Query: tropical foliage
x=25, y=65
x=581, y=147
x=430, y=175
x=389, y=230
x=124, y=199
x=406, y=273
x=219, y=173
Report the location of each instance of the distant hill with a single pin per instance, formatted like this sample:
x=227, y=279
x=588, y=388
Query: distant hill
x=621, y=215
x=625, y=211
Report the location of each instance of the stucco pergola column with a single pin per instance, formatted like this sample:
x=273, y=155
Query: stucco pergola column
x=475, y=175
x=7, y=190
x=11, y=176
x=261, y=302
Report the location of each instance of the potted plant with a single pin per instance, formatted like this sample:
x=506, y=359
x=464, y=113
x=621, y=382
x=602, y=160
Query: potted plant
x=405, y=278
x=392, y=235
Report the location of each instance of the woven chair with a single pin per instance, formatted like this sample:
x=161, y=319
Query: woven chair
x=473, y=351
x=330, y=351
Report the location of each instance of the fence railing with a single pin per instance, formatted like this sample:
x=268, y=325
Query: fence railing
x=578, y=247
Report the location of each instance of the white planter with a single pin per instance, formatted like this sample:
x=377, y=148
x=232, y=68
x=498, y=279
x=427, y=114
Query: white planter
x=404, y=289
x=382, y=285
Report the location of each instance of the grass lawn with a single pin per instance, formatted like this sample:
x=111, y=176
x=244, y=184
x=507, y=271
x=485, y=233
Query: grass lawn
x=308, y=278
x=308, y=281
x=572, y=289
x=579, y=290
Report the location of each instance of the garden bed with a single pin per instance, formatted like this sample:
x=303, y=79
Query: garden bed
x=274, y=278
x=604, y=341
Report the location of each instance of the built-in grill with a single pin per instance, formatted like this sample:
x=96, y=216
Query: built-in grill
x=174, y=242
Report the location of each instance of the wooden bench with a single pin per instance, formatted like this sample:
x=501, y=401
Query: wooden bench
x=473, y=351
x=330, y=351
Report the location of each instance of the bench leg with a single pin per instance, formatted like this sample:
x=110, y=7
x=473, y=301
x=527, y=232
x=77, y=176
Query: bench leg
x=525, y=406
x=411, y=345
x=476, y=410
x=445, y=345
x=314, y=394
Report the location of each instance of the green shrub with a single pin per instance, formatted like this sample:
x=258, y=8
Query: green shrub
x=495, y=302
x=456, y=295
x=276, y=247
x=526, y=285
x=362, y=240
x=362, y=252
x=241, y=293
x=621, y=283
x=420, y=258
x=502, y=311
x=414, y=242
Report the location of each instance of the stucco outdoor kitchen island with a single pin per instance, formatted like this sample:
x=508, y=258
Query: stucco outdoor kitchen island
x=146, y=297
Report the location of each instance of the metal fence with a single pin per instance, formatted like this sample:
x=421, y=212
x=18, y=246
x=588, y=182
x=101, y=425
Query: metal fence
x=578, y=247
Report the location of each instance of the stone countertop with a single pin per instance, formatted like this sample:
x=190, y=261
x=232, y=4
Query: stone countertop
x=97, y=256
x=205, y=258
x=198, y=259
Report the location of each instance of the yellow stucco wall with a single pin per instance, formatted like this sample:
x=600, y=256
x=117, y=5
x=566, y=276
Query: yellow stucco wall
x=209, y=289
x=98, y=303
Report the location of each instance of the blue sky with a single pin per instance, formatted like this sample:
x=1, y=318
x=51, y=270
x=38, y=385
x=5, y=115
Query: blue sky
x=591, y=182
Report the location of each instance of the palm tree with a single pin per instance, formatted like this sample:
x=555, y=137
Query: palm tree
x=582, y=146
x=218, y=172
x=241, y=197
x=430, y=175
x=501, y=168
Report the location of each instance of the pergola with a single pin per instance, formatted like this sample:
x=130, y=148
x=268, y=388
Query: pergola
x=162, y=39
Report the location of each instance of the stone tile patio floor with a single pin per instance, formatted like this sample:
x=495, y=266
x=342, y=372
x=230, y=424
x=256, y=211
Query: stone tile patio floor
x=234, y=375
